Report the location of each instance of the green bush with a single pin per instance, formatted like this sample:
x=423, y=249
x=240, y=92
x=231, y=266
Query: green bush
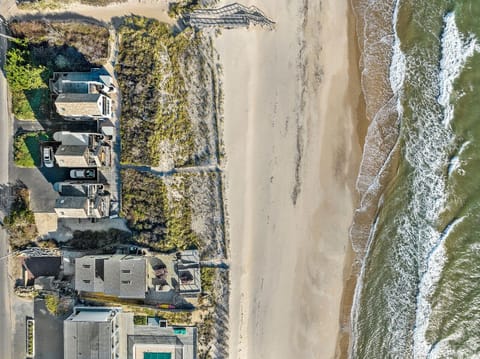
x=156, y=221
x=52, y=303
x=26, y=149
x=99, y=239
x=154, y=93
x=140, y=320
x=207, y=276
x=26, y=81
x=179, y=8
x=20, y=222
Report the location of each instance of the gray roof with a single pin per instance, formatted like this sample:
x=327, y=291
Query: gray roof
x=66, y=202
x=71, y=156
x=185, y=345
x=88, y=334
x=71, y=150
x=118, y=275
x=78, y=82
x=78, y=104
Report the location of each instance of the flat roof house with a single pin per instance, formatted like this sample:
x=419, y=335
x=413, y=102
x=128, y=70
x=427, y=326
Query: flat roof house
x=72, y=156
x=83, y=105
x=95, y=333
x=109, y=333
x=86, y=200
x=82, y=150
x=119, y=275
x=83, y=94
x=155, y=342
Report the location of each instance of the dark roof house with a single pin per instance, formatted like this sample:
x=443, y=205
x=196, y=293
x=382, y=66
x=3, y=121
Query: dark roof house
x=40, y=266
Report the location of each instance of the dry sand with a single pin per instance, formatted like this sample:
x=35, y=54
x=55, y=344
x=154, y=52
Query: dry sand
x=290, y=107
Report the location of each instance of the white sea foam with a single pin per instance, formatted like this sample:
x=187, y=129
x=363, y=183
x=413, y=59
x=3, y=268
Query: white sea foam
x=398, y=64
x=435, y=263
x=456, y=49
x=455, y=163
x=358, y=291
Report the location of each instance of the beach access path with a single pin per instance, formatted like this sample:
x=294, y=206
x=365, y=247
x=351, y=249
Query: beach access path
x=292, y=151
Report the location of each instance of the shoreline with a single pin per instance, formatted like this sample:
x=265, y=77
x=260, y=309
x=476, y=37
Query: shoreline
x=352, y=269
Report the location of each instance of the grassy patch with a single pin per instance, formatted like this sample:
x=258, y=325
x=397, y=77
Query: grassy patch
x=30, y=338
x=207, y=276
x=154, y=94
x=158, y=220
x=52, y=303
x=20, y=223
x=26, y=149
x=140, y=320
x=61, y=4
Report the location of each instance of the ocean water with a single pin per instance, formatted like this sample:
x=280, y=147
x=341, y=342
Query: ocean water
x=418, y=293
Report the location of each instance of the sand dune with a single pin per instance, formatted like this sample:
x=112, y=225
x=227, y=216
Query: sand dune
x=292, y=148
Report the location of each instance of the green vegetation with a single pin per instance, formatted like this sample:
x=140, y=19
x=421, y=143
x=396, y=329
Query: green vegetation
x=52, y=303
x=154, y=95
x=64, y=46
x=105, y=240
x=179, y=8
x=27, y=82
x=46, y=47
x=207, y=276
x=140, y=319
x=60, y=4
x=30, y=338
x=20, y=223
x=26, y=149
x=173, y=318
x=158, y=221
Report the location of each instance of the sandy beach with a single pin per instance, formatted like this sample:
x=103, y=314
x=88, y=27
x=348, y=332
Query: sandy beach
x=293, y=150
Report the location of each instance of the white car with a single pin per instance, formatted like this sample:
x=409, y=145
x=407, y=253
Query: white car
x=79, y=173
x=48, y=157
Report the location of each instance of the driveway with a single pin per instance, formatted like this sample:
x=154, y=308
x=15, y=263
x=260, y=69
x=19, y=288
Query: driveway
x=40, y=183
x=48, y=333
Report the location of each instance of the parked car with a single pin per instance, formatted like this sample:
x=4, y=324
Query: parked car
x=48, y=157
x=86, y=173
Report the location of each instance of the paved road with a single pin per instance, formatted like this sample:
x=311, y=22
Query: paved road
x=5, y=311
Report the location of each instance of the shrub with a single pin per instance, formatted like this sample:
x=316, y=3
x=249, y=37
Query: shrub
x=52, y=303
x=156, y=220
x=26, y=81
x=207, y=276
x=154, y=94
x=140, y=320
x=98, y=239
x=20, y=223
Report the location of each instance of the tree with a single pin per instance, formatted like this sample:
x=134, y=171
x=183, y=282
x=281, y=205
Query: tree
x=22, y=75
